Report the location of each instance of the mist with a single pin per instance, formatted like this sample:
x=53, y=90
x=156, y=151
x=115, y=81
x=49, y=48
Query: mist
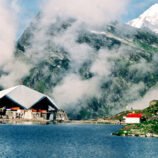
x=143, y=102
x=94, y=13
x=73, y=89
x=80, y=17
x=7, y=31
x=11, y=67
x=55, y=34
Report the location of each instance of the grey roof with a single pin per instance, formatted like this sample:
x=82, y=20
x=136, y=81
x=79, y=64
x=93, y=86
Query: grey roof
x=24, y=96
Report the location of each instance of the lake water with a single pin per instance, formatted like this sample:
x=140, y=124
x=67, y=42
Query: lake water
x=72, y=141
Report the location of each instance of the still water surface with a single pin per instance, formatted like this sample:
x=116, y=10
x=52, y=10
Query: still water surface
x=72, y=141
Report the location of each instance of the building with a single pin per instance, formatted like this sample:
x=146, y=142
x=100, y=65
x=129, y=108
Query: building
x=25, y=103
x=133, y=118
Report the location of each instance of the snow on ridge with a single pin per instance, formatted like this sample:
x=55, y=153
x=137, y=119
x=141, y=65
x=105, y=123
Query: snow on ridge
x=148, y=19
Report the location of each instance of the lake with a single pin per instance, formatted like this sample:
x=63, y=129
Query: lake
x=72, y=141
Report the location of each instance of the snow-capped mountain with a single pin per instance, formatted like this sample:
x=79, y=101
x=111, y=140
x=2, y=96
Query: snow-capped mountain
x=149, y=19
x=130, y=55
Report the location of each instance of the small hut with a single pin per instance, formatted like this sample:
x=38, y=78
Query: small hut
x=133, y=118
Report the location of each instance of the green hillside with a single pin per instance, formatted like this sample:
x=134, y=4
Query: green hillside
x=148, y=126
x=126, y=57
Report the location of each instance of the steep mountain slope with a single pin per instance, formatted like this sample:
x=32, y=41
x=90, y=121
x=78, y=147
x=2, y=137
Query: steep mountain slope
x=149, y=19
x=113, y=67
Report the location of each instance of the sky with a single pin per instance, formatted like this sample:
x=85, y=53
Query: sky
x=29, y=9
x=136, y=7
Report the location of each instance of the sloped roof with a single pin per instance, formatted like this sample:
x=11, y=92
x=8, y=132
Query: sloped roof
x=134, y=115
x=24, y=96
x=6, y=91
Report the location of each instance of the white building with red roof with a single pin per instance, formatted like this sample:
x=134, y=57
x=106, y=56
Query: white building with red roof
x=133, y=118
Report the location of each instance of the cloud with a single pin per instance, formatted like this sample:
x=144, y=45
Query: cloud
x=86, y=15
x=101, y=66
x=96, y=12
x=74, y=90
x=7, y=32
x=15, y=7
x=144, y=101
x=14, y=68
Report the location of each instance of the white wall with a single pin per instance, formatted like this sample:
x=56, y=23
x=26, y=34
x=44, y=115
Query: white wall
x=132, y=120
x=28, y=114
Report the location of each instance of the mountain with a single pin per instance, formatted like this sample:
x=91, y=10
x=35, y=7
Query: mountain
x=149, y=19
x=105, y=69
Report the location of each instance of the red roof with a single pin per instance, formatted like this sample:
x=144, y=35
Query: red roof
x=134, y=115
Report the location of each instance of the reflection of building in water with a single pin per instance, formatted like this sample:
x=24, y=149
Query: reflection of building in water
x=26, y=103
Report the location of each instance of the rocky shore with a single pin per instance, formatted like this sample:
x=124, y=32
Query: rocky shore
x=137, y=135
x=147, y=128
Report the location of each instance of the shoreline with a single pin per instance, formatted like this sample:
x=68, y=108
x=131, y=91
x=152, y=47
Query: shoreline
x=23, y=121
x=95, y=121
x=144, y=129
x=122, y=132
x=41, y=121
x=147, y=135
